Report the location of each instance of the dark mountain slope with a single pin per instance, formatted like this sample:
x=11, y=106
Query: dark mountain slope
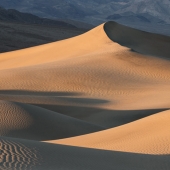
x=90, y=10
x=21, y=30
x=16, y=36
x=12, y=15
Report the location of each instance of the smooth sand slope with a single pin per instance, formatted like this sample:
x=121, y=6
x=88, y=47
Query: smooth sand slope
x=20, y=120
x=149, y=135
x=110, y=77
x=60, y=50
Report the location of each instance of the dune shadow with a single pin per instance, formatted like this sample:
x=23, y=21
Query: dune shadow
x=54, y=156
x=102, y=117
x=38, y=93
x=111, y=160
x=66, y=96
x=138, y=41
x=71, y=104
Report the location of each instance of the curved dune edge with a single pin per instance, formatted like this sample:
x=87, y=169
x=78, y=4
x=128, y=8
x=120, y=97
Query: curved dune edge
x=139, y=41
x=74, y=105
x=24, y=121
x=149, y=135
x=56, y=51
x=99, y=37
x=25, y=154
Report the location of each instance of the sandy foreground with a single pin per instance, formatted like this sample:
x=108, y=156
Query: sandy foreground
x=100, y=100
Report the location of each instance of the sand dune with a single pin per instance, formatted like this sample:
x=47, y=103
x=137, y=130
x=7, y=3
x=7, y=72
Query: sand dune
x=149, y=135
x=30, y=122
x=25, y=154
x=71, y=104
x=101, y=69
x=70, y=48
x=110, y=77
x=139, y=41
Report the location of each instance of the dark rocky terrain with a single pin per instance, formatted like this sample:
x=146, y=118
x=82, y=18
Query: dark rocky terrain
x=12, y=15
x=16, y=36
x=92, y=11
x=21, y=30
x=147, y=15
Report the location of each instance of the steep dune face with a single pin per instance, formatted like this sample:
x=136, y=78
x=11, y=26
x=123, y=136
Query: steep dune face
x=149, y=135
x=94, y=83
x=30, y=122
x=139, y=41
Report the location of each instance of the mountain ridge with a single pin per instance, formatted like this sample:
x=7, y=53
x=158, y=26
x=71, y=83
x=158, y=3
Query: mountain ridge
x=12, y=15
x=93, y=11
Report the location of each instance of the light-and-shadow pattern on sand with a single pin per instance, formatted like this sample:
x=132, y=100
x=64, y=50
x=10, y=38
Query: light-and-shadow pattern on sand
x=100, y=100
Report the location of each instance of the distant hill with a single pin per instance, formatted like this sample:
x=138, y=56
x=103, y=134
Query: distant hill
x=91, y=11
x=12, y=15
x=21, y=30
x=159, y=9
x=14, y=36
x=132, y=17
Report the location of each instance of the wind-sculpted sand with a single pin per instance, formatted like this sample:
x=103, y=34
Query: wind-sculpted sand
x=100, y=100
x=30, y=122
x=149, y=135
